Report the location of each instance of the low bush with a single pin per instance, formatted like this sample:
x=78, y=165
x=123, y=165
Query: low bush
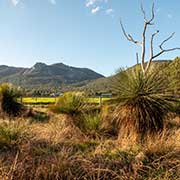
x=88, y=122
x=11, y=133
x=39, y=117
x=9, y=100
x=71, y=103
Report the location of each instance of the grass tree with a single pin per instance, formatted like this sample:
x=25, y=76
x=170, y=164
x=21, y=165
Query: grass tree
x=142, y=94
x=142, y=101
x=9, y=100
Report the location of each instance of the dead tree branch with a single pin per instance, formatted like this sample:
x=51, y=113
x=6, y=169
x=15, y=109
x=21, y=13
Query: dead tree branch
x=148, y=22
x=152, y=57
x=128, y=36
x=137, y=58
x=165, y=50
x=152, y=15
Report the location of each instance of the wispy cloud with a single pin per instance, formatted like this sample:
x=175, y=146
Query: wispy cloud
x=95, y=10
x=90, y=2
x=93, y=2
x=109, y=11
x=15, y=2
x=98, y=5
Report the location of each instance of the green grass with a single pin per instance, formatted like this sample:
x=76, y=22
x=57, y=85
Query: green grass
x=38, y=100
x=97, y=100
x=52, y=100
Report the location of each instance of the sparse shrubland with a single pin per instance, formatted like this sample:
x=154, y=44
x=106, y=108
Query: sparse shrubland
x=135, y=135
x=58, y=150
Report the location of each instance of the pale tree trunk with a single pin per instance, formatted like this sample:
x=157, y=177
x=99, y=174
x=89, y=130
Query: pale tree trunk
x=145, y=66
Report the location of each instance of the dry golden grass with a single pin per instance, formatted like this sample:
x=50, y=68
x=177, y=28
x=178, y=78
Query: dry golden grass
x=57, y=149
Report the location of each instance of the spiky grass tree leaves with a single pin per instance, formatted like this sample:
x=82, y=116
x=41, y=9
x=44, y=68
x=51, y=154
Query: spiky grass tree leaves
x=143, y=101
x=9, y=100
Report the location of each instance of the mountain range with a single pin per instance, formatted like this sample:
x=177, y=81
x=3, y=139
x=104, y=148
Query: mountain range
x=43, y=75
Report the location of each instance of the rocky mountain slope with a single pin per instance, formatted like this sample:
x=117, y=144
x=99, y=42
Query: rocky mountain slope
x=46, y=75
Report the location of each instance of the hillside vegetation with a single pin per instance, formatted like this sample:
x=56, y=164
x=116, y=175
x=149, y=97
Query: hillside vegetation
x=42, y=76
x=133, y=136
x=170, y=70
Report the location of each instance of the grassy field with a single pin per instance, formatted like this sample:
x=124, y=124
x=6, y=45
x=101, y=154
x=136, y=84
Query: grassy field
x=52, y=100
x=50, y=146
x=76, y=138
x=38, y=100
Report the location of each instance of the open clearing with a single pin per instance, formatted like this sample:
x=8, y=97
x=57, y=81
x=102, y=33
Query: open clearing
x=52, y=100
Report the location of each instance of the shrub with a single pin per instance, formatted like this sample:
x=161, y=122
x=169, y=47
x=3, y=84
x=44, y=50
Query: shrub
x=11, y=132
x=9, y=100
x=144, y=100
x=70, y=103
x=40, y=117
x=89, y=122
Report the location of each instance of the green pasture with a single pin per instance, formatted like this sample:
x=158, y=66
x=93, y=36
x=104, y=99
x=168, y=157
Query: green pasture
x=38, y=100
x=52, y=100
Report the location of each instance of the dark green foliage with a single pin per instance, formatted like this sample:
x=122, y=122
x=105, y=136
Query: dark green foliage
x=40, y=117
x=9, y=100
x=144, y=100
x=172, y=73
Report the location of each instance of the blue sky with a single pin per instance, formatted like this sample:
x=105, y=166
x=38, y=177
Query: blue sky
x=82, y=33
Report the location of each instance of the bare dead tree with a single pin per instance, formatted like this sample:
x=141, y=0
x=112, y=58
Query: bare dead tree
x=148, y=22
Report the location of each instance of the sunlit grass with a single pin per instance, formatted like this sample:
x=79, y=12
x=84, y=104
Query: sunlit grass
x=51, y=100
x=38, y=100
x=97, y=100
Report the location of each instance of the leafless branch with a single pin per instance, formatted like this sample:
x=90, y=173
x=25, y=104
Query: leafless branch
x=146, y=23
x=137, y=58
x=151, y=46
x=167, y=39
x=151, y=51
x=144, y=13
x=128, y=36
x=161, y=47
x=165, y=50
x=146, y=20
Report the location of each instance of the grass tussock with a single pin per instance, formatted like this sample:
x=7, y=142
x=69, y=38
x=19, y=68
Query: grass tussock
x=9, y=100
x=144, y=100
x=70, y=103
